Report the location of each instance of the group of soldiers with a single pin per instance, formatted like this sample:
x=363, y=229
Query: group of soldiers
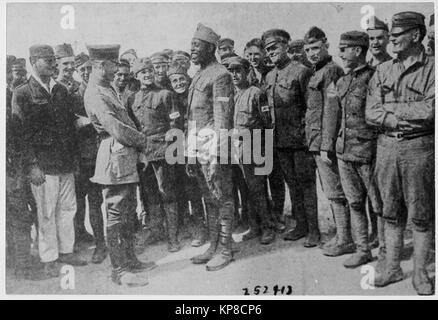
x=367, y=129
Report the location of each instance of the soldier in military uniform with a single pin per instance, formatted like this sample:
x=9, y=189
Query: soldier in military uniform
x=116, y=164
x=183, y=58
x=121, y=81
x=211, y=109
x=156, y=112
x=225, y=46
x=251, y=112
x=401, y=102
x=130, y=56
x=286, y=88
x=355, y=145
x=297, y=54
x=255, y=53
x=322, y=125
x=377, y=32
x=189, y=188
x=19, y=72
x=88, y=145
x=45, y=111
x=160, y=61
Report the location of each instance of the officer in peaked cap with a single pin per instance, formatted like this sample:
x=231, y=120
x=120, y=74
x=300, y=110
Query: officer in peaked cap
x=378, y=35
x=116, y=163
x=407, y=130
x=225, y=46
x=160, y=61
x=211, y=92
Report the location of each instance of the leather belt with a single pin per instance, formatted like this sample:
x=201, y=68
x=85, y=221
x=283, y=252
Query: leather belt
x=407, y=136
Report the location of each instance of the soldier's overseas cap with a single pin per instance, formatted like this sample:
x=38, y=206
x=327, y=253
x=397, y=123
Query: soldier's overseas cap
x=41, y=50
x=206, y=34
x=375, y=23
x=141, y=64
x=179, y=54
x=407, y=20
x=233, y=62
x=275, y=35
x=354, y=38
x=63, y=50
x=19, y=64
x=82, y=60
x=159, y=57
x=104, y=52
x=314, y=34
x=225, y=42
x=176, y=68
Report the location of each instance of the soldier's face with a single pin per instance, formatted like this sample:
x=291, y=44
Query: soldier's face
x=349, y=56
x=316, y=52
x=121, y=77
x=277, y=52
x=404, y=40
x=238, y=75
x=45, y=66
x=84, y=73
x=161, y=70
x=254, y=55
x=109, y=70
x=378, y=41
x=225, y=49
x=199, y=51
x=66, y=67
x=179, y=82
x=146, y=77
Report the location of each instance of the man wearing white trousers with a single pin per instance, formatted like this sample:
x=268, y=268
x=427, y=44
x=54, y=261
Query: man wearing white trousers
x=44, y=108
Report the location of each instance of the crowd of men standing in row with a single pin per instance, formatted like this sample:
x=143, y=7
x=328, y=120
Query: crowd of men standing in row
x=368, y=131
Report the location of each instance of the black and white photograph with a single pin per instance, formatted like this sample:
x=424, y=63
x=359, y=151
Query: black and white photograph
x=206, y=149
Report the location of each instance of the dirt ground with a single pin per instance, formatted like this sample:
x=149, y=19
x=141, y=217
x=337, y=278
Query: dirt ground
x=256, y=267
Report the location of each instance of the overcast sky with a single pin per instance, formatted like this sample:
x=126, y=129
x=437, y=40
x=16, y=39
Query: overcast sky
x=151, y=27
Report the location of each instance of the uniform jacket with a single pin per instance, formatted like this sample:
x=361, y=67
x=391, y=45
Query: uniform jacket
x=396, y=93
x=286, y=87
x=356, y=139
x=211, y=103
x=47, y=127
x=322, y=118
x=155, y=112
x=183, y=105
x=252, y=77
x=117, y=156
x=374, y=63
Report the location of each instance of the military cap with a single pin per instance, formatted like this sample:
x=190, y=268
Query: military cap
x=225, y=41
x=275, y=35
x=256, y=42
x=180, y=54
x=314, y=34
x=124, y=63
x=375, y=23
x=41, y=50
x=168, y=52
x=104, y=52
x=19, y=64
x=129, y=51
x=141, y=64
x=63, y=50
x=9, y=61
x=176, y=68
x=206, y=34
x=81, y=59
x=225, y=57
x=354, y=38
x=159, y=57
x=407, y=20
x=296, y=44
x=238, y=62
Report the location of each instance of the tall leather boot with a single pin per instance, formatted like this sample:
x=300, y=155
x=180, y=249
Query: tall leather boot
x=344, y=242
x=224, y=254
x=199, y=230
x=213, y=230
x=381, y=258
x=359, y=224
x=254, y=228
x=172, y=226
x=420, y=280
x=394, y=246
x=313, y=236
x=96, y=220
